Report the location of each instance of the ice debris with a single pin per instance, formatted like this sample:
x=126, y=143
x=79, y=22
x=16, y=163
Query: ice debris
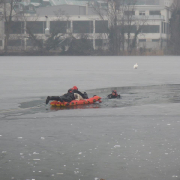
x=174, y=176
x=117, y=146
x=42, y=138
x=35, y=153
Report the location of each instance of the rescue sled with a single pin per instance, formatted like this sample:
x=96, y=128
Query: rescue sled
x=76, y=102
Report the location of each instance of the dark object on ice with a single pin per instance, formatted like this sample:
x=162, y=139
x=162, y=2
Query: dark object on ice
x=114, y=95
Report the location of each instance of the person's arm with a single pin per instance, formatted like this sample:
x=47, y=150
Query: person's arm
x=109, y=96
x=118, y=96
x=78, y=92
x=85, y=95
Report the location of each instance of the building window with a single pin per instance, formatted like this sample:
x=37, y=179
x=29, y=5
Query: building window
x=155, y=40
x=164, y=40
x=16, y=27
x=82, y=26
x=82, y=43
x=165, y=28
x=17, y=42
x=101, y=26
x=142, y=13
x=21, y=8
x=59, y=26
x=99, y=42
x=150, y=29
x=104, y=5
x=30, y=42
x=31, y=8
x=155, y=13
x=166, y=3
x=128, y=29
x=129, y=13
x=142, y=40
x=36, y=27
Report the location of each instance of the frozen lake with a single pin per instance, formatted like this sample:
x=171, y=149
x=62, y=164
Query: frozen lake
x=134, y=138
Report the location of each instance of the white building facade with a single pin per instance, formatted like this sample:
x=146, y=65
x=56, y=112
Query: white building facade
x=82, y=20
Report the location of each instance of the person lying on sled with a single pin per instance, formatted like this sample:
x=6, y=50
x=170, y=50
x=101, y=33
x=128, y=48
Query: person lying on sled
x=72, y=94
x=68, y=97
x=114, y=95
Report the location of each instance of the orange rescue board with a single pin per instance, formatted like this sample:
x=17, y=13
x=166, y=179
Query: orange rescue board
x=75, y=102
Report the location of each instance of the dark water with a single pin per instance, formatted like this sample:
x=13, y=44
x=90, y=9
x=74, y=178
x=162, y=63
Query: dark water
x=130, y=96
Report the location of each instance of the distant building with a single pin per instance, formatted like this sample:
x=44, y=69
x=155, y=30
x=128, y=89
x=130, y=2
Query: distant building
x=79, y=20
x=70, y=2
x=147, y=2
x=35, y=3
x=167, y=3
x=154, y=2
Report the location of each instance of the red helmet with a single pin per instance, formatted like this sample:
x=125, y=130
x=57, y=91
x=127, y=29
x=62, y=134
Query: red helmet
x=114, y=91
x=75, y=87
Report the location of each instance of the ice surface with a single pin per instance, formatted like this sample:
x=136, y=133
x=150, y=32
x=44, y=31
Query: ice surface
x=136, y=137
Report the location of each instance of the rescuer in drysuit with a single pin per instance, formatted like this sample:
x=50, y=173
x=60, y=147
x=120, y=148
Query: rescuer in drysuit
x=114, y=95
x=79, y=95
x=72, y=94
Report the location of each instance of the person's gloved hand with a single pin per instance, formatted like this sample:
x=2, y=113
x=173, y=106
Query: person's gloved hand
x=85, y=95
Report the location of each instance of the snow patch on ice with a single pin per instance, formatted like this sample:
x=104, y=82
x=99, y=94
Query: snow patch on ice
x=35, y=153
x=117, y=146
x=174, y=176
